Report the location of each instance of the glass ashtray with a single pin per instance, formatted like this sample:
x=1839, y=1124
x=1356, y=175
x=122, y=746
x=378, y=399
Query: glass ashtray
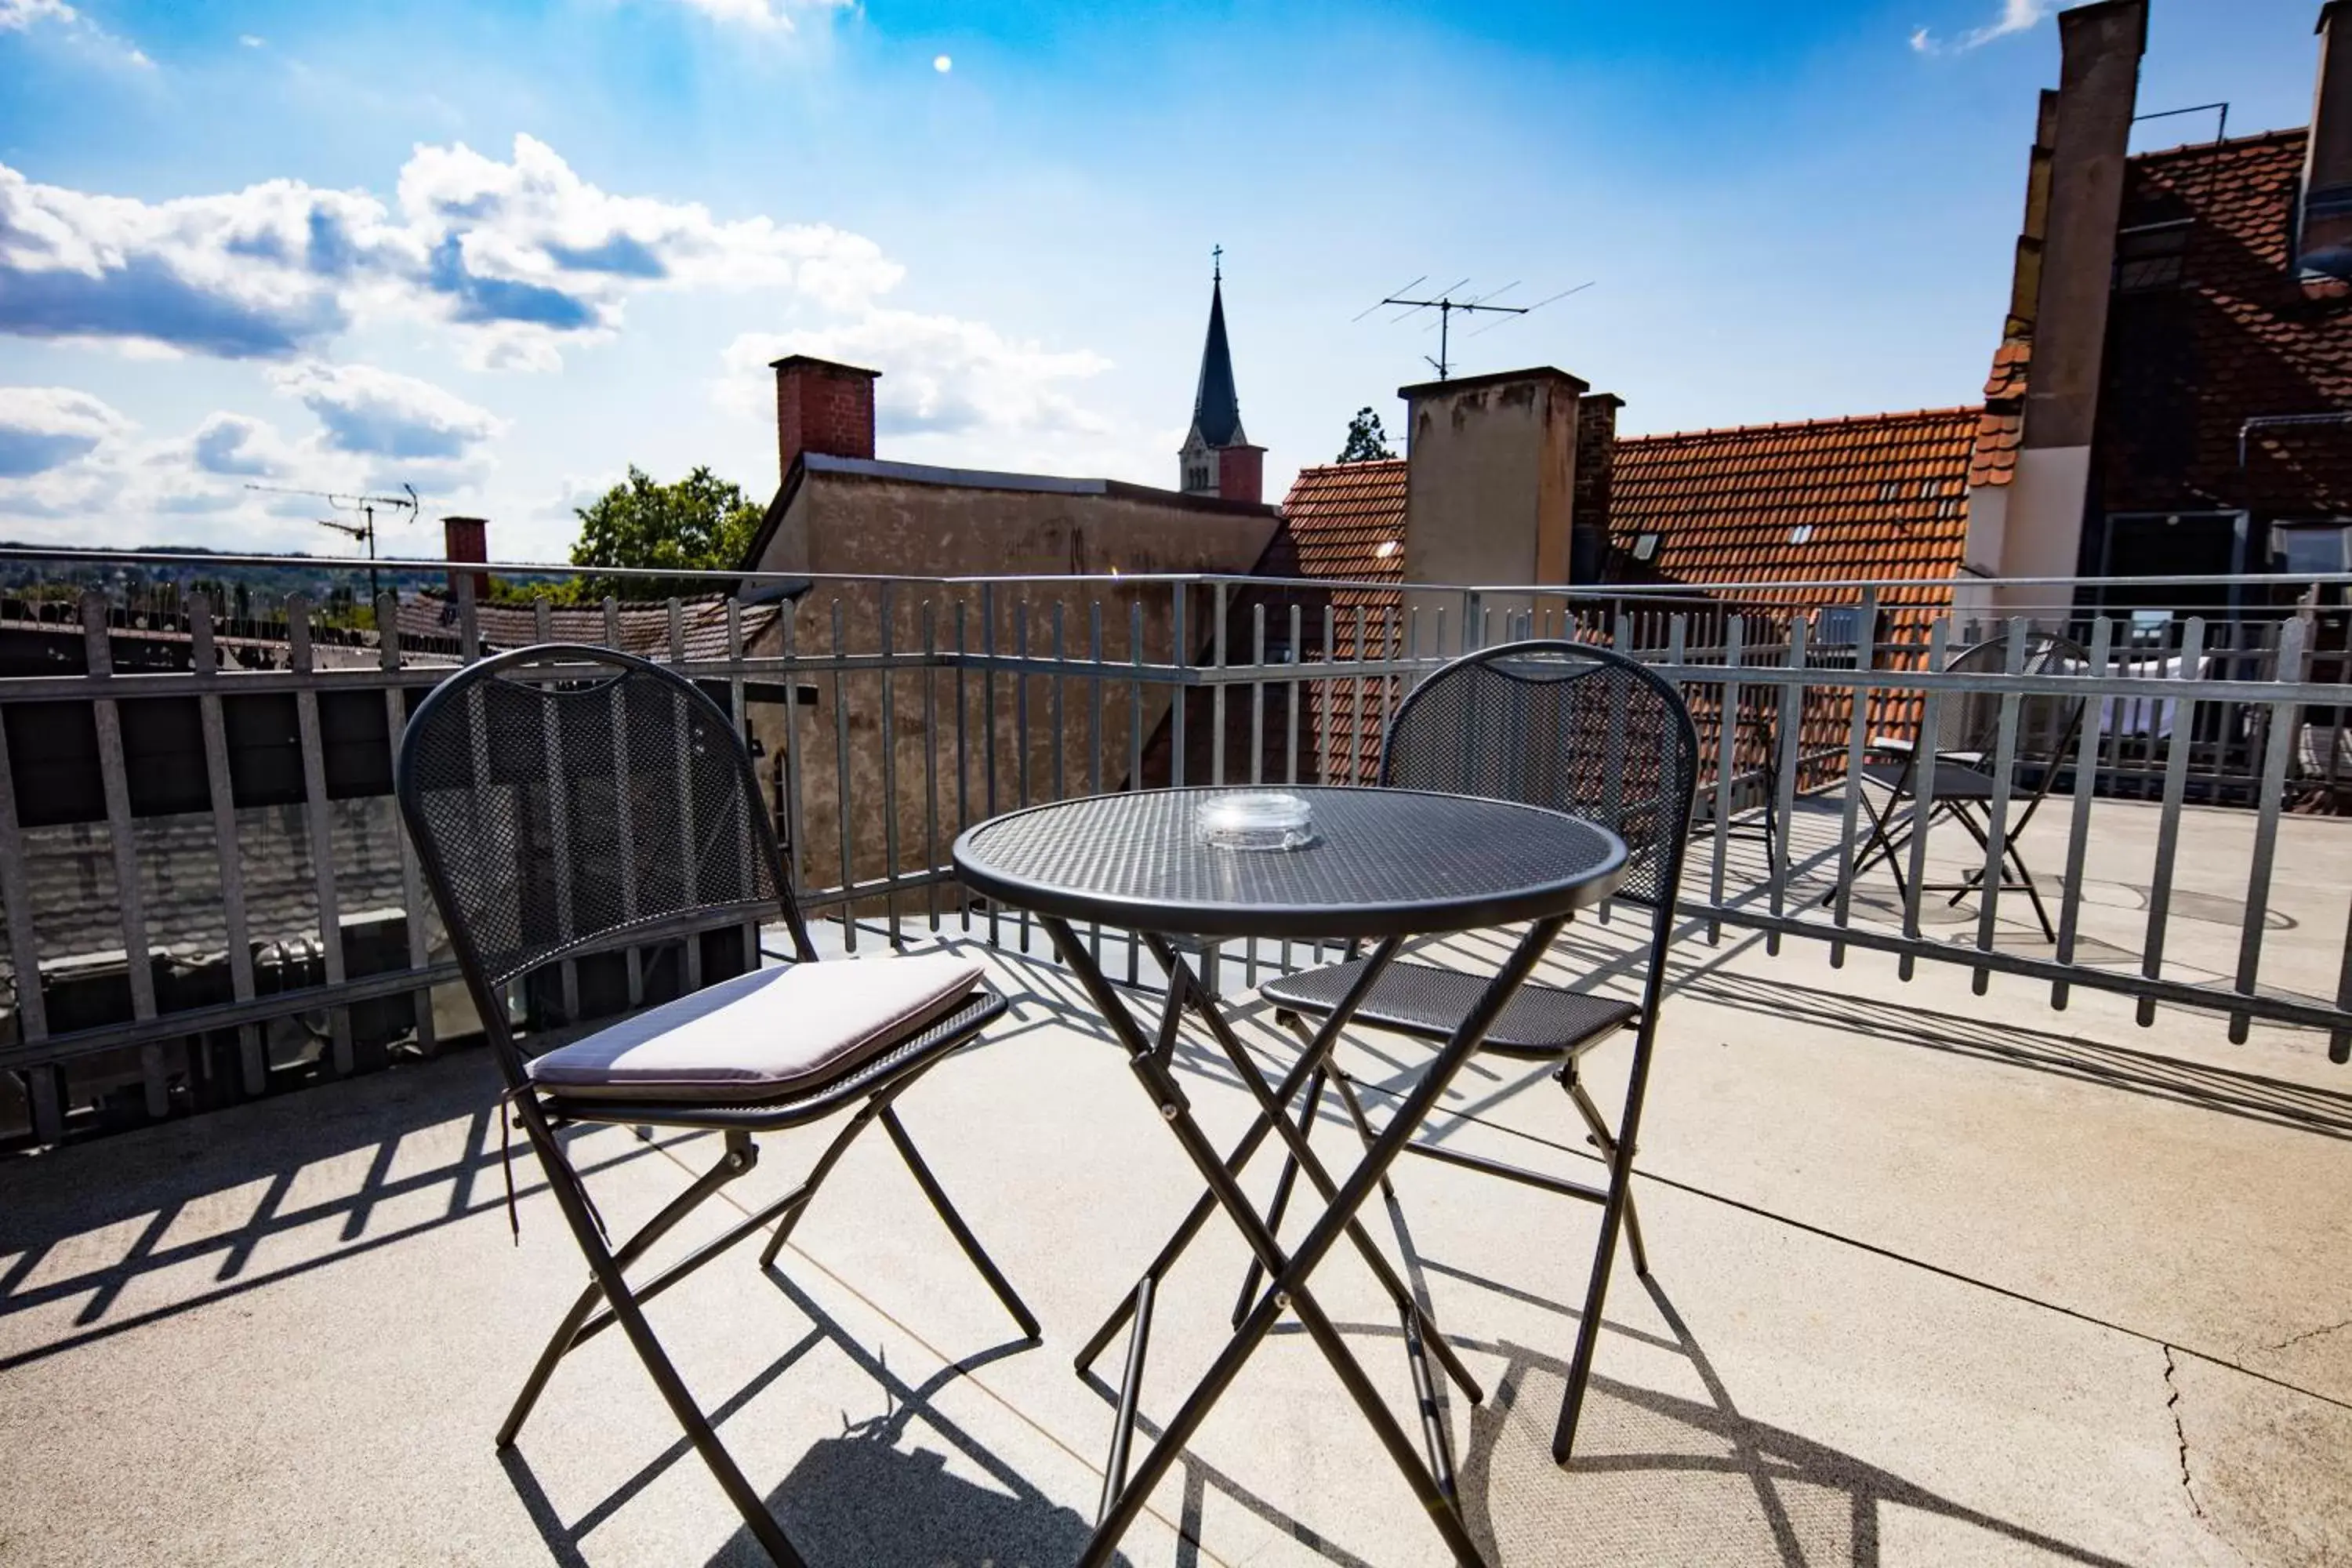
x=1255, y=819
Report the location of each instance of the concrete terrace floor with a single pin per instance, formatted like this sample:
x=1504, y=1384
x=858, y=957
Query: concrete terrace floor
x=1940, y=1279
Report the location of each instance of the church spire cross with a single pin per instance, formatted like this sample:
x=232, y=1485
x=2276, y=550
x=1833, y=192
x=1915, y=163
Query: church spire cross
x=1216, y=264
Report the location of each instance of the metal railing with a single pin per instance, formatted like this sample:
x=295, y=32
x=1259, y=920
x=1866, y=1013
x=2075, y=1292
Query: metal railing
x=223, y=808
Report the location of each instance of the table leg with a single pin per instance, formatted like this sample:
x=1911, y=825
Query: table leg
x=1290, y=1274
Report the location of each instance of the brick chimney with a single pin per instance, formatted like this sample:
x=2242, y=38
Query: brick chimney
x=1596, y=463
x=822, y=407
x=1241, y=473
x=467, y=539
x=2324, y=233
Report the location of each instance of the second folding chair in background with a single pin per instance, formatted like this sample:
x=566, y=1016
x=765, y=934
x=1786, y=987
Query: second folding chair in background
x=1966, y=759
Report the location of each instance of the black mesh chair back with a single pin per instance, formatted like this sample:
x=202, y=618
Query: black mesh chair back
x=1968, y=724
x=566, y=799
x=1565, y=725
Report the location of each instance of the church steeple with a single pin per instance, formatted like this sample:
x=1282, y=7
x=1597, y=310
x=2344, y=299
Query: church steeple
x=1217, y=458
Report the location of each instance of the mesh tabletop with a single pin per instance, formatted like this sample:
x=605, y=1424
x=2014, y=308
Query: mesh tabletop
x=1384, y=863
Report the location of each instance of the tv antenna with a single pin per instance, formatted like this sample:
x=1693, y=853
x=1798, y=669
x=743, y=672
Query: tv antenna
x=364, y=505
x=1446, y=304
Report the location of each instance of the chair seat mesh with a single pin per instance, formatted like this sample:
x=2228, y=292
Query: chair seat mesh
x=1429, y=1003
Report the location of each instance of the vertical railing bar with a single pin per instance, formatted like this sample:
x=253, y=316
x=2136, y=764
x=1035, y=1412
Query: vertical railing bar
x=1726, y=746
x=691, y=951
x=2177, y=750
x=1359, y=697
x=962, y=748
x=795, y=752
x=138, y=960
x=1256, y=750
x=1320, y=691
x=1095, y=675
x=739, y=711
x=931, y=763
x=1134, y=733
x=1789, y=739
x=1290, y=734
x=1056, y=706
x=1927, y=753
x=2078, y=823
x=625, y=809
x=1021, y=730
x=321, y=827
x=843, y=828
x=45, y=1083
x=1218, y=608
x=559, y=821
x=253, y=1062
x=470, y=620
x=887, y=643
x=1180, y=657
x=2279, y=750
x=1866, y=647
x=1996, y=845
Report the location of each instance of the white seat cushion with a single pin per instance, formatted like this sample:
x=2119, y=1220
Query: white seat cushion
x=761, y=1035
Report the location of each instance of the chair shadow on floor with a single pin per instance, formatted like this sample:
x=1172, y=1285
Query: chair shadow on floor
x=878, y=1496
x=1662, y=1479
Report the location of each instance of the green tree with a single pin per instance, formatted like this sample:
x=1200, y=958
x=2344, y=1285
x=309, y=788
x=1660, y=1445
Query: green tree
x=701, y=522
x=1367, y=442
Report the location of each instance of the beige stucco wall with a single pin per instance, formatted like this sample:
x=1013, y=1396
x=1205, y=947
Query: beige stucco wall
x=865, y=528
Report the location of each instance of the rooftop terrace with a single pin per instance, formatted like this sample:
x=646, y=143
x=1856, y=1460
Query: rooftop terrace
x=1936, y=1281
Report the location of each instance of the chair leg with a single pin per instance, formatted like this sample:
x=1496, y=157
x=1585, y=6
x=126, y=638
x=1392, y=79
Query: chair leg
x=956, y=1225
x=1607, y=1144
x=741, y=1156
x=817, y=1173
x=571, y=1197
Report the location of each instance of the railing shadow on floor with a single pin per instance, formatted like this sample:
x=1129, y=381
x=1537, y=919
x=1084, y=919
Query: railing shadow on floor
x=156, y=1178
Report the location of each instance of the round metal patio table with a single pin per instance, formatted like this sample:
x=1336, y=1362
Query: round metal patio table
x=1383, y=865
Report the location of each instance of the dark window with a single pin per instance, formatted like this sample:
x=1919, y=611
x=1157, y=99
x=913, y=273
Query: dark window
x=53, y=758
x=163, y=756
x=2149, y=256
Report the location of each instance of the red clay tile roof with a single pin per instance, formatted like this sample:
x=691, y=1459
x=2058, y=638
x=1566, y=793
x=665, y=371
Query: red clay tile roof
x=2231, y=332
x=1878, y=495
x=1339, y=516
x=1998, y=428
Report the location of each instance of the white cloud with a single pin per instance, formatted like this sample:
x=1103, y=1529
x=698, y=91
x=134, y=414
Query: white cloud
x=21, y=15
x=941, y=376
x=232, y=444
x=521, y=257
x=762, y=16
x=253, y=40
x=47, y=427
x=195, y=489
x=2016, y=16
x=381, y=414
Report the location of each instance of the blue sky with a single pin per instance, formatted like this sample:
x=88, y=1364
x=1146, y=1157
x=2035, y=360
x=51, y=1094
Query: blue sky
x=499, y=251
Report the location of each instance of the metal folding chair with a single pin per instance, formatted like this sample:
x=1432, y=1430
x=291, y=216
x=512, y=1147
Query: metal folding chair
x=569, y=801
x=1579, y=729
x=1965, y=756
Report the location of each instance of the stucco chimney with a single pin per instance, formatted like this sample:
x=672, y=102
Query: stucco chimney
x=822, y=407
x=467, y=539
x=1490, y=471
x=2323, y=236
